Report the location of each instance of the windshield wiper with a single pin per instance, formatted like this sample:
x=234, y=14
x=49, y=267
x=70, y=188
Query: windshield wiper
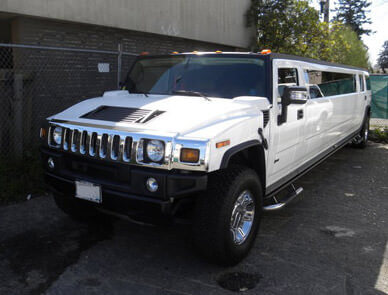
x=191, y=93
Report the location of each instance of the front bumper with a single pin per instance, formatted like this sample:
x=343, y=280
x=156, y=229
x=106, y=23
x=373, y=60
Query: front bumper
x=120, y=183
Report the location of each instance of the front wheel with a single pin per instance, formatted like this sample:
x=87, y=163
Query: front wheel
x=228, y=215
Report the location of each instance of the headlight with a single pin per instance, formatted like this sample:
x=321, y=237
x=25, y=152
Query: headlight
x=155, y=150
x=57, y=135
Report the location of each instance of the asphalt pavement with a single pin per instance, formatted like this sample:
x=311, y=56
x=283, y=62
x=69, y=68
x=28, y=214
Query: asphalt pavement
x=332, y=240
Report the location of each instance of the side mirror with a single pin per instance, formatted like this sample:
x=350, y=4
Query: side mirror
x=291, y=95
x=294, y=95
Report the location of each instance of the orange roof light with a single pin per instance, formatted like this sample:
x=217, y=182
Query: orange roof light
x=218, y=51
x=144, y=53
x=266, y=51
x=174, y=52
x=222, y=143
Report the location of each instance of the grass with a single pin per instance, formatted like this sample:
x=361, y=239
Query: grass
x=19, y=178
x=379, y=135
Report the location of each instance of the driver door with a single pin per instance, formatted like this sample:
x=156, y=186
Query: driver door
x=287, y=137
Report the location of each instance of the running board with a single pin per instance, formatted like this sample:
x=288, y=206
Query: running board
x=279, y=205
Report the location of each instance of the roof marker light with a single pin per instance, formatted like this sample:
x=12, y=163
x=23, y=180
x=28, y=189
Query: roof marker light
x=218, y=51
x=144, y=53
x=266, y=51
x=174, y=52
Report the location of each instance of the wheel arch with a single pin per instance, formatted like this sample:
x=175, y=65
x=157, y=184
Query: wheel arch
x=250, y=154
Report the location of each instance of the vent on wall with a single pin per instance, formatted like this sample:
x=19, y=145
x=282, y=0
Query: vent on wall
x=266, y=117
x=122, y=114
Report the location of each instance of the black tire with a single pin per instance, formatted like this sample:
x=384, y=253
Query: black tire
x=212, y=233
x=79, y=210
x=362, y=141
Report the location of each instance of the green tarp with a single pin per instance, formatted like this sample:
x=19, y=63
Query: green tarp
x=379, y=86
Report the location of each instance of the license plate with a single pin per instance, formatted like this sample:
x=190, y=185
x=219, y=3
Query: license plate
x=88, y=191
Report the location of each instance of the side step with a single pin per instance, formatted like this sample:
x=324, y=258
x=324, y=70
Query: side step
x=279, y=205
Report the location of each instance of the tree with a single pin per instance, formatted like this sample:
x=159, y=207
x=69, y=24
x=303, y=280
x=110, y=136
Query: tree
x=293, y=27
x=284, y=26
x=383, y=57
x=353, y=14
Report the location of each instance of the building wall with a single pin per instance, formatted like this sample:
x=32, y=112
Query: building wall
x=37, y=31
x=49, y=81
x=215, y=21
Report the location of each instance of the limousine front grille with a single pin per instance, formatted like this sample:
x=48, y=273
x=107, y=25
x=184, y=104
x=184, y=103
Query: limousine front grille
x=97, y=145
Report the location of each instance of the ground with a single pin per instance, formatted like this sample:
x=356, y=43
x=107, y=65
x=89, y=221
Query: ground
x=333, y=240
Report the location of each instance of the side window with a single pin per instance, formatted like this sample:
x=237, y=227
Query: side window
x=362, y=86
x=287, y=77
x=368, y=83
x=312, y=80
x=331, y=83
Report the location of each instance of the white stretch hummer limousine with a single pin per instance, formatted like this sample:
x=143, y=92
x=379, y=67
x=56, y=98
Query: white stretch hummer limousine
x=219, y=137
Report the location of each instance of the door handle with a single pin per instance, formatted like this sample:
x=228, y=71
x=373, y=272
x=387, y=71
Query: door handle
x=300, y=114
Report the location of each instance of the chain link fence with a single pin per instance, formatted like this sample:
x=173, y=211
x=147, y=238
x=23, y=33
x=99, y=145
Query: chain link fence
x=36, y=82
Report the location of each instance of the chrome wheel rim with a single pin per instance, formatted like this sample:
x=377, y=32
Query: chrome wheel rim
x=242, y=217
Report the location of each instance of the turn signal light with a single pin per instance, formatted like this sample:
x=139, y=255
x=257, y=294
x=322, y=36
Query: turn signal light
x=42, y=133
x=222, y=143
x=189, y=155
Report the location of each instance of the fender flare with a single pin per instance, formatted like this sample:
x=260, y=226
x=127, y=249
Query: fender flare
x=234, y=150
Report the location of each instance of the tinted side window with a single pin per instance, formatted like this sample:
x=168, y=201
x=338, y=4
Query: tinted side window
x=287, y=77
x=331, y=83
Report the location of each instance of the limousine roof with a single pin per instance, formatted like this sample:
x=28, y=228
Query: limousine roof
x=276, y=56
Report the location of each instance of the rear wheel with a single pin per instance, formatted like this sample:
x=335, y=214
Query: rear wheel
x=79, y=210
x=362, y=138
x=228, y=215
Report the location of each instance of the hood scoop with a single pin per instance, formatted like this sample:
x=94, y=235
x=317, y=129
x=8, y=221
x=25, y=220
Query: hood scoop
x=122, y=114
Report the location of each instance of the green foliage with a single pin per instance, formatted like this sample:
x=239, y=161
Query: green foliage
x=353, y=14
x=383, y=57
x=293, y=27
x=18, y=178
x=379, y=135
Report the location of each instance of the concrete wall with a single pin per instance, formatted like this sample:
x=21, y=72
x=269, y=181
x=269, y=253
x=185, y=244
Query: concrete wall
x=216, y=21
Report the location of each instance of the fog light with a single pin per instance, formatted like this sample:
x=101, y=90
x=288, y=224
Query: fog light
x=51, y=163
x=152, y=184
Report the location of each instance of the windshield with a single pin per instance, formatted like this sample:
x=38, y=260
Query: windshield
x=216, y=76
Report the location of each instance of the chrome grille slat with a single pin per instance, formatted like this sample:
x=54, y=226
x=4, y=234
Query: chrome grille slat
x=83, y=142
x=127, y=149
x=92, y=144
x=115, y=147
x=103, y=147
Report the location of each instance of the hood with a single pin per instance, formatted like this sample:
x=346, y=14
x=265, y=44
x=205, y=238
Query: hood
x=171, y=114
